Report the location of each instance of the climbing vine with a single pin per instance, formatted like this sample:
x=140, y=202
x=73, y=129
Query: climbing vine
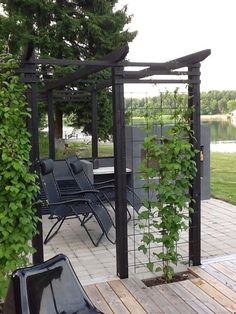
x=168, y=170
x=18, y=187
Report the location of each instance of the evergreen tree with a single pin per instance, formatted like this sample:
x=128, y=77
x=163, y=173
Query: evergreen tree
x=78, y=29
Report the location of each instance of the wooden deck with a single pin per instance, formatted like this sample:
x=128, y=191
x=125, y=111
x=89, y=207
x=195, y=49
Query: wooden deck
x=212, y=291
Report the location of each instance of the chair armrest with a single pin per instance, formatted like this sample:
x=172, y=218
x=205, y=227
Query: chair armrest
x=76, y=200
x=79, y=192
x=105, y=187
x=103, y=182
x=129, y=188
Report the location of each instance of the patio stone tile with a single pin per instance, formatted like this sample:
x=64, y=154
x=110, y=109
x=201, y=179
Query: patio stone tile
x=95, y=264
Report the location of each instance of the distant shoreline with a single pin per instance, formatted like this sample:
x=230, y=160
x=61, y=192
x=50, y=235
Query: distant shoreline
x=215, y=117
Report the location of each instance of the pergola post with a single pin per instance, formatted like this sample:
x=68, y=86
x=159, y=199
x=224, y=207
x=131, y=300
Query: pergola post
x=195, y=217
x=94, y=128
x=120, y=172
x=30, y=78
x=51, y=124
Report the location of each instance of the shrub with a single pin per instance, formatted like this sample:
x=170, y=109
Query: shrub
x=18, y=188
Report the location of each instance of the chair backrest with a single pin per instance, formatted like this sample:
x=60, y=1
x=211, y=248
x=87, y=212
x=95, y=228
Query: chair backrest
x=79, y=174
x=49, y=288
x=48, y=181
x=60, y=169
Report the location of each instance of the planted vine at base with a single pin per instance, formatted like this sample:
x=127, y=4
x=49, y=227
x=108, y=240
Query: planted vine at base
x=18, y=187
x=168, y=170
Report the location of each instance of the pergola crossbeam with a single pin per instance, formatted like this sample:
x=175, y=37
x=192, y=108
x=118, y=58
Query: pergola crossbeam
x=153, y=81
x=85, y=71
x=157, y=69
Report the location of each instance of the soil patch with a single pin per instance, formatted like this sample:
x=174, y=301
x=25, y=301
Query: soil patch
x=155, y=281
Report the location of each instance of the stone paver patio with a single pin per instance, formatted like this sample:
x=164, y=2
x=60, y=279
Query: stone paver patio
x=96, y=264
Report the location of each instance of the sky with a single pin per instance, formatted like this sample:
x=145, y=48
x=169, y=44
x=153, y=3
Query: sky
x=169, y=29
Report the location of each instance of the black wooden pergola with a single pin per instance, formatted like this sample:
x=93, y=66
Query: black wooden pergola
x=54, y=90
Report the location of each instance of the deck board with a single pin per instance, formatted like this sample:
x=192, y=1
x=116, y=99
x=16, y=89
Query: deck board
x=143, y=294
x=112, y=299
x=215, y=294
x=225, y=270
x=203, y=297
x=215, y=283
x=178, y=303
x=221, y=276
x=126, y=297
x=190, y=299
x=161, y=302
x=98, y=299
x=212, y=290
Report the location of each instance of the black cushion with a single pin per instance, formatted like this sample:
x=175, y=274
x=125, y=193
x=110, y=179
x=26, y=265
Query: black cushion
x=46, y=166
x=76, y=166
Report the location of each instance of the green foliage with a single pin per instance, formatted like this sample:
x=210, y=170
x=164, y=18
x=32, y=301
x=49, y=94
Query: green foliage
x=18, y=187
x=83, y=150
x=212, y=102
x=68, y=29
x=169, y=157
x=139, y=108
x=218, y=102
x=84, y=117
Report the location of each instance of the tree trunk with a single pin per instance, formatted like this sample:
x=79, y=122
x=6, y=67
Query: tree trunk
x=1, y=306
x=58, y=124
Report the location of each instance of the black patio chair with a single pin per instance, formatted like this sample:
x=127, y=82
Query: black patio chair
x=71, y=207
x=106, y=188
x=48, y=288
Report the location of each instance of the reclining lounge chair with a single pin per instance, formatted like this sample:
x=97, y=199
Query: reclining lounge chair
x=107, y=188
x=48, y=288
x=61, y=209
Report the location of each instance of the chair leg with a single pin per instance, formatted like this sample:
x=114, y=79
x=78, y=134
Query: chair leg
x=49, y=236
x=95, y=243
x=113, y=242
x=102, y=228
x=129, y=215
x=86, y=218
x=107, y=199
x=83, y=221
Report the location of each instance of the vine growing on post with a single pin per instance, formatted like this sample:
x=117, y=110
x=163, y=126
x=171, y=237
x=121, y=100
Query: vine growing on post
x=168, y=170
x=18, y=188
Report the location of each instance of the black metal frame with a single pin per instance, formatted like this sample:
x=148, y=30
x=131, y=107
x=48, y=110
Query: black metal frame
x=115, y=61
x=195, y=217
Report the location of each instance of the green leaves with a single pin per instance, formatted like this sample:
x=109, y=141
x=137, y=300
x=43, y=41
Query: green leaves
x=18, y=189
x=169, y=160
x=76, y=29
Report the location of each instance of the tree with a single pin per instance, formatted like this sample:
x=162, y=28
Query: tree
x=80, y=29
x=231, y=105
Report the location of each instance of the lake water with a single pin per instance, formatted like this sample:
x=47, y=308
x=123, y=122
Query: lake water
x=223, y=136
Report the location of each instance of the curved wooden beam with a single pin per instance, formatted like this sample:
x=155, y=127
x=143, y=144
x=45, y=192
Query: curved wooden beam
x=170, y=65
x=113, y=57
